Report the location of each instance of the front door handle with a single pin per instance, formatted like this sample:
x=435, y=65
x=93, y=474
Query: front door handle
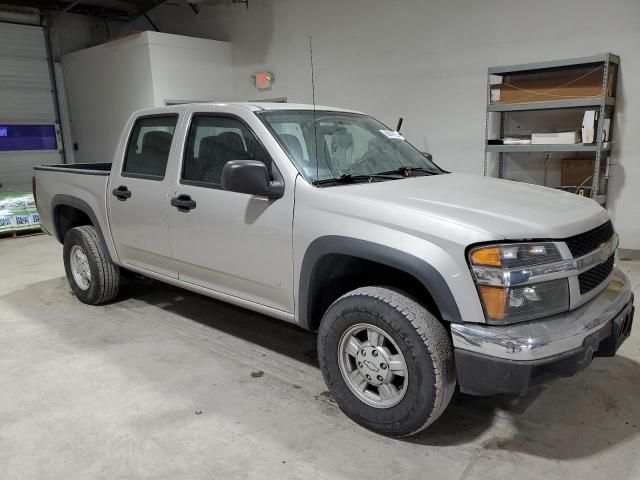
x=122, y=193
x=183, y=203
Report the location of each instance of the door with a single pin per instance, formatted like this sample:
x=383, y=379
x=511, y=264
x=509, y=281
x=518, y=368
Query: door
x=138, y=195
x=233, y=243
x=29, y=133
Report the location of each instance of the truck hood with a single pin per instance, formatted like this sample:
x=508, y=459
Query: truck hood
x=493, y=208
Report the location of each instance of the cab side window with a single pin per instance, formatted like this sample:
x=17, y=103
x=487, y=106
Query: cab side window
x=148, y=148
x=212, y=142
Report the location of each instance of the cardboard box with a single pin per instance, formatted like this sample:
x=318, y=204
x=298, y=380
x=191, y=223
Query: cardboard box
x=559, y=138
x=18, y=211
x=551, y=86
x=574, y=171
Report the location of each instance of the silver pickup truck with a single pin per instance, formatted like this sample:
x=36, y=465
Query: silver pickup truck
x=416, y=279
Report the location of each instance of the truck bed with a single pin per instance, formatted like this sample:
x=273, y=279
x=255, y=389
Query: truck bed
x=82, y=168
x=81, y=186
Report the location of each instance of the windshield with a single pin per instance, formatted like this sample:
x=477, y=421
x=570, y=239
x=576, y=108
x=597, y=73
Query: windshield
x=344, y=144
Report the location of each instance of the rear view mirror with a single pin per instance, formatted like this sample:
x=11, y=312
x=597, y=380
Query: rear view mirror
x=252, y=177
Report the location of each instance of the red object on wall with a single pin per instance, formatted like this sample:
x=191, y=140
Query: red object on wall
x=264, y=80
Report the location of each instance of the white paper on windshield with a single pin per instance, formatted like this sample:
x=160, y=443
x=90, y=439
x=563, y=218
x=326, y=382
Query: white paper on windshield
x=392, y=134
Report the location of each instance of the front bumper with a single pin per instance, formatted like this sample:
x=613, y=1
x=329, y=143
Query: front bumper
x=508, y=359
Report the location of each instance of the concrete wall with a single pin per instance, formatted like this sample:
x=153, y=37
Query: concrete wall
x=107, y=83
x=426, y=61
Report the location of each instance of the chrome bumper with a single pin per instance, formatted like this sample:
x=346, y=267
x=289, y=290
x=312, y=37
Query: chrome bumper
x=549, y=336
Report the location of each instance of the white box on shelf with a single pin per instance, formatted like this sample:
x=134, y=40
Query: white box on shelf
x=558, y=138
x=589, y=126
x=605, y=130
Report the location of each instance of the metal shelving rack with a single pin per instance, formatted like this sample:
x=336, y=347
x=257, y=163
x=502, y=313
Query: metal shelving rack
x=605, y=106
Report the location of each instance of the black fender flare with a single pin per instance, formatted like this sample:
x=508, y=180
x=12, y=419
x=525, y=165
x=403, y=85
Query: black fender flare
x=430, y=278
x=67, y=200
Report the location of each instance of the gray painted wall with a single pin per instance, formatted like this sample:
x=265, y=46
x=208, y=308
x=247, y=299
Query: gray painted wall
x=426, y=61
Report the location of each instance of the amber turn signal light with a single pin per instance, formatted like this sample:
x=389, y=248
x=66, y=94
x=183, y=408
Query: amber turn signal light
x=489, y=256
x=493, y=299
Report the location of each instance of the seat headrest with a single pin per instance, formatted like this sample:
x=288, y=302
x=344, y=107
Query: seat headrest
x=342, y=138
x=293, y=144
x=157, y=142
x=231, y=140
x=226, y=143
x=207, y=146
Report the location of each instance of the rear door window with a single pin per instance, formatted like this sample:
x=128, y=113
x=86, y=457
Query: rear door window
x=148, y=149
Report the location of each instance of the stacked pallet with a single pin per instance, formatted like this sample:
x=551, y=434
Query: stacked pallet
x=18, y=214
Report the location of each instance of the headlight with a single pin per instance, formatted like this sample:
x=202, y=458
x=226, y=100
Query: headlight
x=515, y=254
x=516, y=304
x=505, y=275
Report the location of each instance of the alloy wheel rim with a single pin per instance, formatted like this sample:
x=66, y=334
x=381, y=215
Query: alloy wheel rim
x=80, y=267
x=372, y=366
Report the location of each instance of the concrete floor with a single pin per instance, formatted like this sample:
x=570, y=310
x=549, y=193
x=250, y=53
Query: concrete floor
x=171, y=385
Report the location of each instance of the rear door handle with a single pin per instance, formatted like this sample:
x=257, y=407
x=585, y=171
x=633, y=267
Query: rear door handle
x=183, y=203
x=122, y=193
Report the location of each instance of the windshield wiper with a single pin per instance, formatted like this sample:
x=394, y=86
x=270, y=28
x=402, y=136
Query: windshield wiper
x=353, y=177
x=408, y=171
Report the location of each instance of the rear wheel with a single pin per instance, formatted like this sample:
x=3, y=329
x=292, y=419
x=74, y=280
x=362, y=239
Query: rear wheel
x=387, y=360
x=93, y=278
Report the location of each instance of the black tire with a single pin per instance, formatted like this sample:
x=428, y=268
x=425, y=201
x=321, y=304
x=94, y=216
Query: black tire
x=105, y=275
x=422, y=340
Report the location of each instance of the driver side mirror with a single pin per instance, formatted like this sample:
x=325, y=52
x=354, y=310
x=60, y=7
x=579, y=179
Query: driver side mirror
x=252, y=177
x=428, y=155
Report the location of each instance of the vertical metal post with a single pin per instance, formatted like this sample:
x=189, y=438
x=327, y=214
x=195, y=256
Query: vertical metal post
x=54, y=85
x=486, y=124
x=600, y=152
x=501, y=154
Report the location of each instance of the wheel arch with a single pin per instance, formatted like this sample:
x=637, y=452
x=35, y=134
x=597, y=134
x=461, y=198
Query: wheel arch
x=325, y=254
x=70, y=212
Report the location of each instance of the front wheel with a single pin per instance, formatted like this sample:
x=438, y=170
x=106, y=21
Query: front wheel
x=92, y=276
x=387, y=360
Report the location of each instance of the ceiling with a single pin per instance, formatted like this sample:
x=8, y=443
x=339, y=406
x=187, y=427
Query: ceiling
x=114, y=10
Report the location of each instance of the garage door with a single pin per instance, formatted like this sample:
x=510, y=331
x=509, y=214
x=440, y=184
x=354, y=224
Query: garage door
x=29, y=134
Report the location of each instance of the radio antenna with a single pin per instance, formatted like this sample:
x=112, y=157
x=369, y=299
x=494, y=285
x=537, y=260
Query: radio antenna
x=313, y=98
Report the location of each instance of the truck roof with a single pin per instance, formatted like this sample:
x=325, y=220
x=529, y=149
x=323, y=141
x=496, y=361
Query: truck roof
x=257, y=106
x=253, y=106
